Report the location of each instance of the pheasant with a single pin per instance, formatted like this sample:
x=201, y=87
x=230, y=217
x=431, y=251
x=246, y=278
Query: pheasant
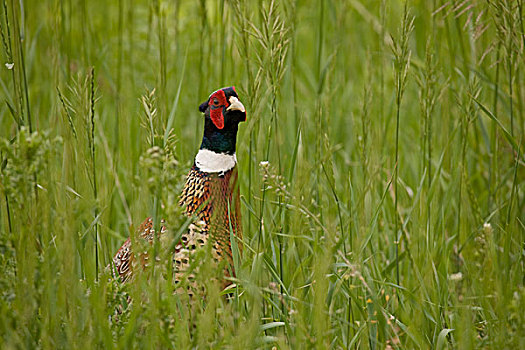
x=210, y=194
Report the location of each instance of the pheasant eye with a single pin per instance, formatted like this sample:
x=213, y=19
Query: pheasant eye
x=215, y=102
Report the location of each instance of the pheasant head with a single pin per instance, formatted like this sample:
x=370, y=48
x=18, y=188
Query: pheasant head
x=223, y=111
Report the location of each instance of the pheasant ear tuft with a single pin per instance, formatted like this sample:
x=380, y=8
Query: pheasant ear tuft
x=203, y=107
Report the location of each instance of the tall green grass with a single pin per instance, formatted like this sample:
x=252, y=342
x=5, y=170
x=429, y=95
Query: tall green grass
x=381, y=171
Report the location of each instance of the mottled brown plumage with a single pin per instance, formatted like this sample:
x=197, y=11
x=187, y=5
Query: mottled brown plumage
x=123, y=259
x=213, y=200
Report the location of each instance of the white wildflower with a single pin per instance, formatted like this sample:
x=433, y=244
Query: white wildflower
x=456, y=277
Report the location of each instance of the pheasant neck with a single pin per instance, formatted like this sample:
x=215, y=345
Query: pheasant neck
x=220, y=140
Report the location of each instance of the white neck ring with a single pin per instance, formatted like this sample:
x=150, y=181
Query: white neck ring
x=212, y=162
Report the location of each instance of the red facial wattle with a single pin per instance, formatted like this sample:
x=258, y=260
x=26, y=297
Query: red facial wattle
x=217, y=118
x=217, y=108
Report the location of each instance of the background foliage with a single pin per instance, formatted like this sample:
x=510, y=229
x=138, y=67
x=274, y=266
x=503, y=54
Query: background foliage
x=388, y=210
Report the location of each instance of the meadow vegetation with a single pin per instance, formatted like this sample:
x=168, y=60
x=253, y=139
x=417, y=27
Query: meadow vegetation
x=381, y=170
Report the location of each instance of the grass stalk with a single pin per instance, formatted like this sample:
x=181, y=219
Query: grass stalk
x=161, y=37
x=401, y=64
x=6, y=40
x=21, y=37
x=493, y=168
x=91, y=138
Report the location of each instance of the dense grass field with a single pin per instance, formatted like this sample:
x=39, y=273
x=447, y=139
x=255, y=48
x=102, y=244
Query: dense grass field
x=381, y=168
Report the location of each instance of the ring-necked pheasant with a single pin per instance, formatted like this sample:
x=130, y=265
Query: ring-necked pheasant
x=210, y=194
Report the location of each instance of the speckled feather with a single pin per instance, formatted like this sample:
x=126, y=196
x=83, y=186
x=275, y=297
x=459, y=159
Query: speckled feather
x=213, y=199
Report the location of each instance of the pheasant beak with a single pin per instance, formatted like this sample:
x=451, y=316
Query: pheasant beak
x=235, y=105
